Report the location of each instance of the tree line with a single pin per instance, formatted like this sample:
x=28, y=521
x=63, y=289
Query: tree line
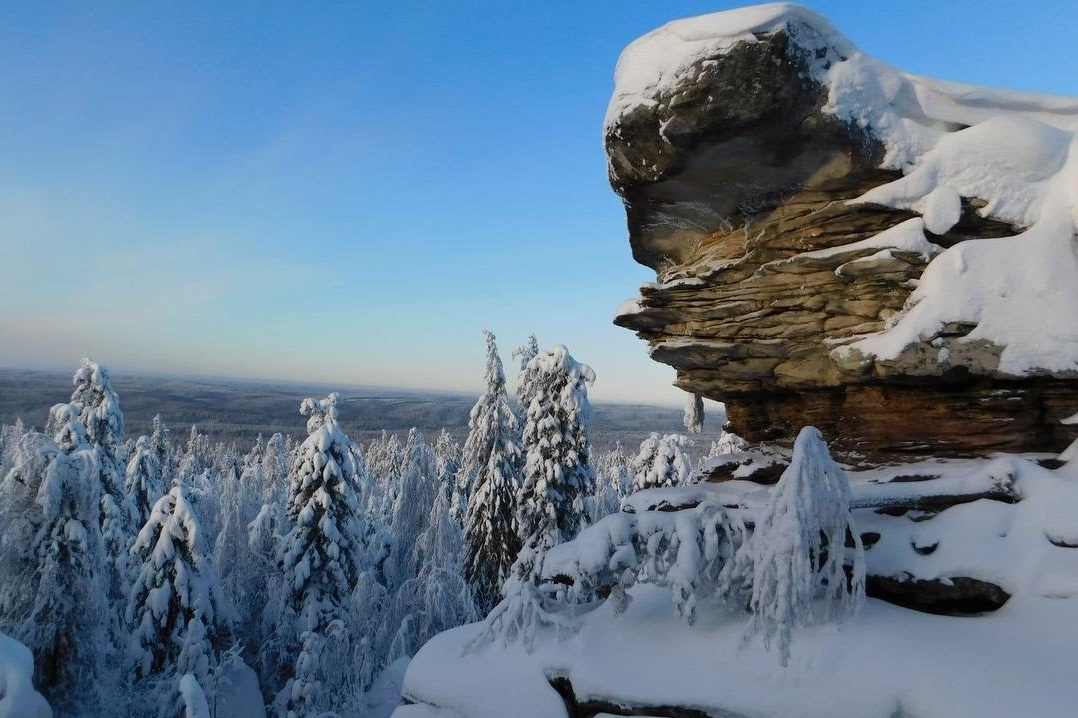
x=152, y=570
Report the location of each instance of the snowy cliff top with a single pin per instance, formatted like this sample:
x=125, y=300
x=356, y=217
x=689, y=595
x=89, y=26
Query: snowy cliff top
x=1009, y=149
x=887, y=661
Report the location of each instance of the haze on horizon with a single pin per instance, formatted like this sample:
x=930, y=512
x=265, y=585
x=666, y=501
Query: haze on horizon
x=351, y=195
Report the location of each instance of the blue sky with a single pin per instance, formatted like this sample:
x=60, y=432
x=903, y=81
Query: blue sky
x=350, y=192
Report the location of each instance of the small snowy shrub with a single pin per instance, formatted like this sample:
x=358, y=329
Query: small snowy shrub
x=661, y=461
x=797, y=553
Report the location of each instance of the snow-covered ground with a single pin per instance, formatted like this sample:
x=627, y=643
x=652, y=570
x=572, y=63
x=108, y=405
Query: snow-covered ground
x=886, y=661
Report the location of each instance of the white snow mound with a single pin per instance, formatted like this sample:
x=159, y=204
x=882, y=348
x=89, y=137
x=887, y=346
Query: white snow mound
x=18, y=699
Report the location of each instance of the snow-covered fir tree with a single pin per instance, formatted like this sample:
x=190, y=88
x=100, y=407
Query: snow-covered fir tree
x=447, y=465
x=727, y=443
x=439, y=597
x=526, y=379
x=144, y=478
x=321, y=559
x=61, y=608
x=161, y=445
x=414, y=498
x=179, y=617
x=195, y=458
x=9, y=443
x=613, y=482
x=558, y=474
x=797, y=553
x=20, y=519
x=266, y=603
x=239, y=572
x=276, y=464
x=662, y=461
x=98, y=408
x=492, y=456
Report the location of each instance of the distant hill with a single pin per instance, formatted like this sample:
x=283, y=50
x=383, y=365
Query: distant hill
x=239, y=410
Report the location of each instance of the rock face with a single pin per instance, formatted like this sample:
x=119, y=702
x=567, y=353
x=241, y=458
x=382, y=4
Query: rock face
x=737, y=180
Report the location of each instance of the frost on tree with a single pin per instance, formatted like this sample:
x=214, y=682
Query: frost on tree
x=243, y=577
x=98, y=409
x=558, y=476
x=526, y=379
x=415, y=495
x=447, y=465
x=727, y=443
x=144, y=478
x=613, y=482
x=557, y=472
x=59, y=607
x=793, y=570
x=662, y=461
x=178, y=613
x=320, y=556
x=20, y=518
x=493, y=458
x=694, y=414
x=439, y=597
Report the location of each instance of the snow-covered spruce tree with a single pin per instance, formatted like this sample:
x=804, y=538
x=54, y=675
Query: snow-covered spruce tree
x=793, y=568
x=727, y=443
x=447, y=465
x=321, y=560
x=62, y=622
x=694, y=414
x=9, y=443
x=178, y=614
x=493, y=457
x=613, y=482
x=558, y=476
x=268, y=601
x=276, y=463
x=161, y=445
x=143, y=479
x=439, y=598
x=526, y=379
x=20, y=519
x=240, y=573
x=98, y=407
x=415, y=496
x=195, y=458
x=369, y=604
x=557, y=473
x=662, y=461
x=491, y=419
x=385, y=462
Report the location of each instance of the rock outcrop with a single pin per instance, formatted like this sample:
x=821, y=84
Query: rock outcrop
x=739, y=162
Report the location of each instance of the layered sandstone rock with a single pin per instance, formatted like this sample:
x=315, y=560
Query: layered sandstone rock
x=738, y=176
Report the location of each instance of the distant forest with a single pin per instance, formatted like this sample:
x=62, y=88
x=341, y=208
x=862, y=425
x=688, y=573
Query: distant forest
x=235, y=410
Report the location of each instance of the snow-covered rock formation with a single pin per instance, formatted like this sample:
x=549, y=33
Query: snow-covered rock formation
x=836, y=240
x=676, y=598
x=842, y=244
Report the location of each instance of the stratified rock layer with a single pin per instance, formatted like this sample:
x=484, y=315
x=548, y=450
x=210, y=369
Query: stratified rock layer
x=736, y=185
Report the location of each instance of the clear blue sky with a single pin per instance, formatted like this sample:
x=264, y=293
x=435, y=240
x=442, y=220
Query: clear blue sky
x=350, y=192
